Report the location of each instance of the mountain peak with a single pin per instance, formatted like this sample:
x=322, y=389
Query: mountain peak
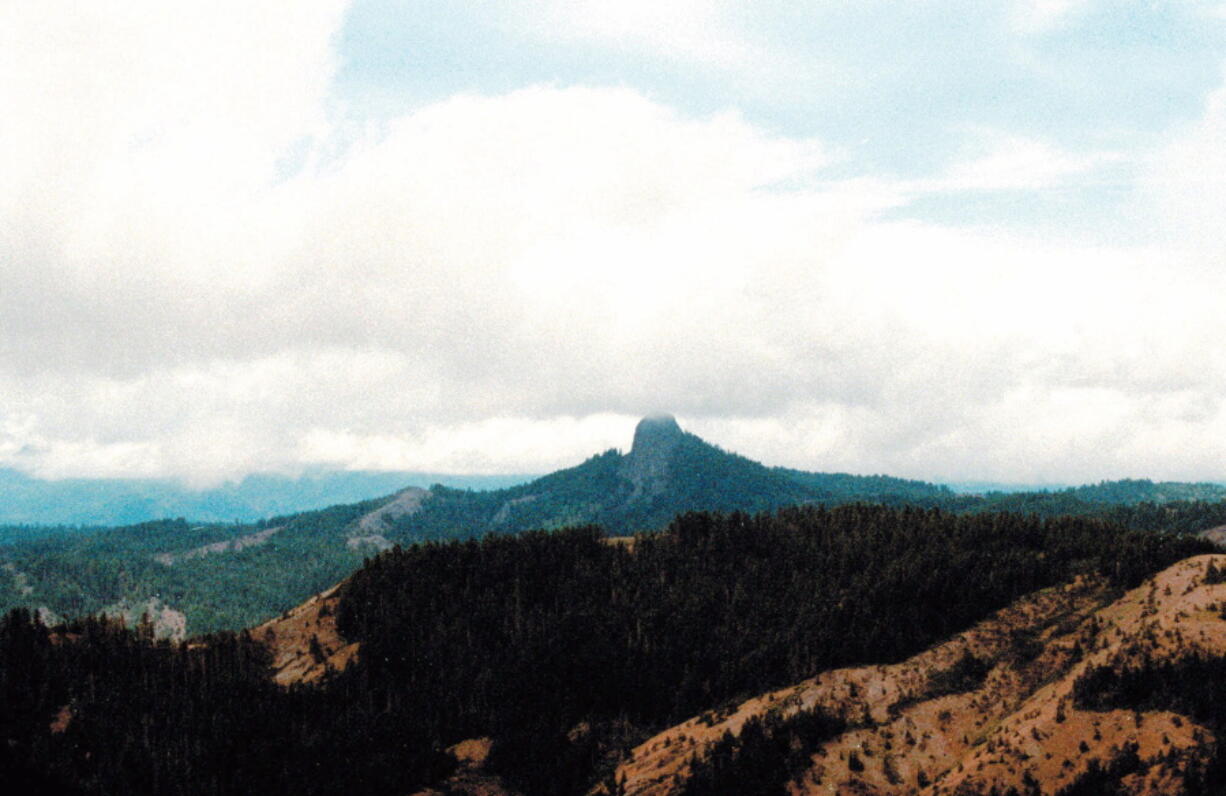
x=656, y=431
x=646, y=467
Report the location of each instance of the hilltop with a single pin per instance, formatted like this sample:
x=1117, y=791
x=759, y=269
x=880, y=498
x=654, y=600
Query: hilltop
x=666, y=472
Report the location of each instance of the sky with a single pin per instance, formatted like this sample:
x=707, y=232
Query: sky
x=943, y=240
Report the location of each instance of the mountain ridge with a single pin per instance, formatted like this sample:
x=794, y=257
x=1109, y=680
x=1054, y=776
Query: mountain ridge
x=103, y=502
x=666, y=472
x=227, y=576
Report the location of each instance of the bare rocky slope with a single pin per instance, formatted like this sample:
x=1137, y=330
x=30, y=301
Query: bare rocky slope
x=1017, y=729
x=304, y=642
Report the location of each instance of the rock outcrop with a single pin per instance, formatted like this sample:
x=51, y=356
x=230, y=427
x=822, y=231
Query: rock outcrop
x=646, y=467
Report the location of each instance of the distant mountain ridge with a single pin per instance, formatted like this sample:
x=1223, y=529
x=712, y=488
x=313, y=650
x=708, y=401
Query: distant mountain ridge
x=667, y=468
x=229, y=575
x=25, y=499
x=668, y=471
x=1136, y=490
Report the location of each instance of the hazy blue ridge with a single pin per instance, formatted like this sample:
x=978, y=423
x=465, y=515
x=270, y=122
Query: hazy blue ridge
x=25, y=500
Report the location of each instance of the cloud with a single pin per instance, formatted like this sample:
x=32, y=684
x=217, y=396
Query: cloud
x=209, y=269
x=1015, y=163
x=138, y=148
x=1037, y=16
x=1185, y=185
x=697, y=30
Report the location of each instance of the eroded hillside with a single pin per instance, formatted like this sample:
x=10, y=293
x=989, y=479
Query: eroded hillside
x=994, y=707
x=304, y=641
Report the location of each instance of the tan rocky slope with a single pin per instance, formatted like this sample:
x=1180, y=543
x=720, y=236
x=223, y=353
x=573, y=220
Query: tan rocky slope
x=1017, y=729
x=304, y=641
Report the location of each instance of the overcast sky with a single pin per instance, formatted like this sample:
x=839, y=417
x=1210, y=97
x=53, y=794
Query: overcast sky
x=945, y=240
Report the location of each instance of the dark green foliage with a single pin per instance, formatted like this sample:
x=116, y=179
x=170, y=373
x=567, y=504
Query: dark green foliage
x=1182, y=516
x=700, y=477
x=1213, y=575
x=1104, y=780
x=1130, y=491
x=1024, y=647
x=1191, y=686
x=162, y=719
x=704, y=477
x=28, y=532
x=764, y=757
x=74, y=571
x=967, y=674
x=88, y=573
x=472, y=638
x=836, y=488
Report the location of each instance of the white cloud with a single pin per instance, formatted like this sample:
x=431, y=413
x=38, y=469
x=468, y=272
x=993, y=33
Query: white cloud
x=504, y=282
x=714, y=39
x=1014, y=163
x=189, y=104
x=1186, y=186
x=481, y=446
x=1036, y=16
x=697, y=30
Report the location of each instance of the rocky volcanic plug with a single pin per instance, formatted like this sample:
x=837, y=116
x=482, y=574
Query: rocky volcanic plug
x=647, y=465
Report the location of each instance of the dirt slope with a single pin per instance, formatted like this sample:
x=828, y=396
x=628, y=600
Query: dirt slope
x=304, y=641
x=1018, y=729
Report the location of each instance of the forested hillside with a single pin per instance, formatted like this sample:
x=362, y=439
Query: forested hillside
x=232, y=588
x=563, y=647
x=1115, y=499
x=214, y=576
